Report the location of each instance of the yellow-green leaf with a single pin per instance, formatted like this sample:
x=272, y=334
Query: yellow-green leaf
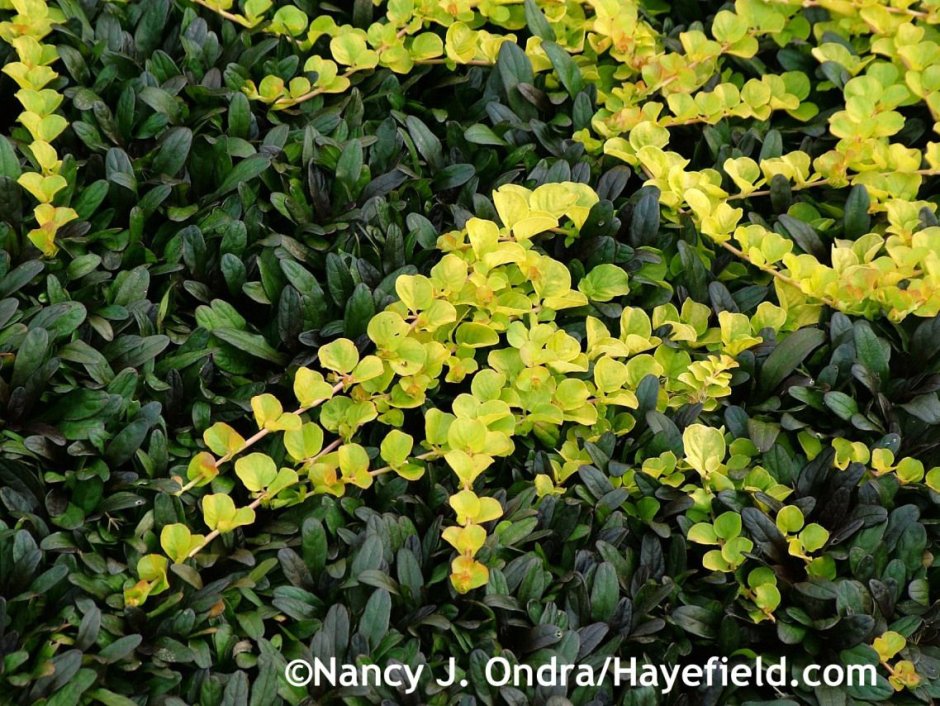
x=368, y=368
x=889, y=644
x=728, y=525
x=466, y=540
x=289, y=20
x=178, y=542
x=304, y=443
x=476, y=335
x=427, y=45
x=354, y=464
x=219, y=513
x=702, y=533
x=350, y=49
x=340, y=356
x=256, y=471
x=267, y=410
x=43, y=188
x=286, y=478
x=467, y=574
x=790, y=519
x=604, y=283
x=310, y=387
x=396, y=447
x=472, y=508
x=814, y=537
x=223, y=440
x=202, y=468
x=704, y=447
x=152, y=567
x=415, y=291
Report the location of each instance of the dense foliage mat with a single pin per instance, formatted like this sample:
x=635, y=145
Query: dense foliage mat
x=430, y=329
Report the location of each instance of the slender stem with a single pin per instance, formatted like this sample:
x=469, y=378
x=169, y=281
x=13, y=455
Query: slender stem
x=776, y=273
x=261, y=433
x=215, y=533
x=282, y=103
x=260, y=499
x=668, y=122
x=189, y=486
x=264, y=496
x=884, y=6
x=423, y=457
x=312, y=93
x=237, y=19
x=823, y=182
x=766, y=192
x=329, y=448
x=471, y=62
x=338, y=387
x=250, y=441
x=258, y=436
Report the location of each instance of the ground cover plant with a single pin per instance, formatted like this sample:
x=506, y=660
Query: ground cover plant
x=420, y=329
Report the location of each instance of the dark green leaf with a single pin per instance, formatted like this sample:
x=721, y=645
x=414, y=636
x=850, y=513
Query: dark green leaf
x=787, y=356
x=9, y=163
x=538, y=24
x=857, y=222
x=696, y=620
x=873, y=352
x=564, y=66
x=375, y=618
x=245, y=171
x=120, y=649
x=426, y=142
x=250, y=343
x=173, y=152
x=804, y=235
x=359, y=310
x=452, y=176
x=605, y=592
x=19, y=277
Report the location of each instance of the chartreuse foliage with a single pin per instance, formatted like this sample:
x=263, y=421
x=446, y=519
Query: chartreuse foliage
x=26, y=31
x=692, y=409
x=647, y=90
x=888, y=268
x=488, y=315
x=903, y=672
